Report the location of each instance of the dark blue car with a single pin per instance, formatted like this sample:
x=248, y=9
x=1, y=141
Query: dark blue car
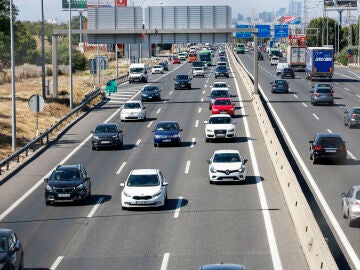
x=150, y=93
x=167, y=132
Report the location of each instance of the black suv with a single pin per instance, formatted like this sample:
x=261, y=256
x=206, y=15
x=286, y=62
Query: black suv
x=68, y=183
x=107, y=135
x=327, y=146
x=288, y=73
x=182, y=81
x=221, y=71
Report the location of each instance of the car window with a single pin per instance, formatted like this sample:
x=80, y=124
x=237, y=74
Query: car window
x=218, y=93
x=182, y=77
x=219, y=85
x=222, y=102
x=3, y=244
x=323, y=90
x=357, y=195
x=226, y=157
x=221, y=68
x=68, y=175
x=330, y=141
x=106, y=129
x=150, y=180
x=356, y=111
x=167, y=127
x=220, y=120
x=132, y=105
x=150, y=89
x=11, y=241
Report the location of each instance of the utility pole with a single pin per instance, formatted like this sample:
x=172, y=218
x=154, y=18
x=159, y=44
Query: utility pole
x=42, y=51
x=70, y=60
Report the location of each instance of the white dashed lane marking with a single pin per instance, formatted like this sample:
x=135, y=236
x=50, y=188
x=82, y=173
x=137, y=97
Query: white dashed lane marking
x=178, y=207
x=56, y=263
x=196, y=123
x=328, y=130
x=193, y=142
x=304, y=105
x=149, y=125
x=316, y=117
x=158, y=111
x=199, y=110
x=187, y=167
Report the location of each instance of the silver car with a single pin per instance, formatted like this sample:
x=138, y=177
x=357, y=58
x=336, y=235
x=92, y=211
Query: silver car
x=322, y=95
x=351, y=205
x=352, y=117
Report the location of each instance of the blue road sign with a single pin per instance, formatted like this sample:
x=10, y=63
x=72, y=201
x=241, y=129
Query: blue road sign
x=281, y=30
x=263, y=30
x=243, y=34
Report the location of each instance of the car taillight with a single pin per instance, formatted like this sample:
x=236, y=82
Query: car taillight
x=354, y=116
x=316, y=95
x=355, y=202
x=342, y=148
x=318, y=148
x=331, y=94
x=275, y=85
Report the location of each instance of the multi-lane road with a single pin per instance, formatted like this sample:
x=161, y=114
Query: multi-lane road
x=246, y=224
x=300, y=121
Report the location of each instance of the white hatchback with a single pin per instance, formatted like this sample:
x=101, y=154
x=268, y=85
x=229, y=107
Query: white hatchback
x=133, y=110
x=157, y=69
x=144, y=188
x=227, y=165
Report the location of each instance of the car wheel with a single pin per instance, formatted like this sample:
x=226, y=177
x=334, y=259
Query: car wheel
x=207, y=140
x=345, y=213
x=315, y=160
x=47, y=202
x=156, y=145
x=179, y=143
x=351, y=222
x=89, y=194
x=123, y=208
x=93, y=148
x=343, y=160
x=211, y=182
x=314, y=103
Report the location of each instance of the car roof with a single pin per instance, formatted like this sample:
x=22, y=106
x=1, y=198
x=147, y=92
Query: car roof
x=219, y=115
x=334, y=135
x=144, y=171
x=68, y=166
x=107, y=124
x=222, y=151
x=222, y=267
x=219, y=88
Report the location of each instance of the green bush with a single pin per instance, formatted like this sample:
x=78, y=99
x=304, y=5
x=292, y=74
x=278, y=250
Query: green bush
x=342, y=58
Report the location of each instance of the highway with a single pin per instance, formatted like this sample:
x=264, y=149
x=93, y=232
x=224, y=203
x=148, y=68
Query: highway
x=301, y=122
x=246, y=224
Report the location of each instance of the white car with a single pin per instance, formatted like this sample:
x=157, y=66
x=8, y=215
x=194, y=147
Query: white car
x=182, y=56
x=133, y=110
x=198, y=71
x=144, y=188
x=220, y=126
x=222, y=63
x=280, y=67
x=220, y=85
x=274, y=60
x=157, y=69
x=227, y=165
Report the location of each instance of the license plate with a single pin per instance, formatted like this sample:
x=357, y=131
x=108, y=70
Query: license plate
x=140, y=202
x=221, y=135
x=223, y=112
x=105, y=142
x=64, y=195
x=330, y=151
x=167, y=140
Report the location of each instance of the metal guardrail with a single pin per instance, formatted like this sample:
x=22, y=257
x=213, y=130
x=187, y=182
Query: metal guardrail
x=43, y=139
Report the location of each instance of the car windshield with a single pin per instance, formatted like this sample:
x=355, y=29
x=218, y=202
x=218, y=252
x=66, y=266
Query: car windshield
x=222, y=102
x=150, y=89
x=68, y=175
x=221, y=68
x=323, y=90
x=226, y=157
x=220, y=120
x=136, y=70
x=167, y=127
x=158, y=66
x=148, y=180
x=356, y=111
x=357, y=195
x=205, y=57
x=106, y=129
x=132, y=105
x=182, y=77
x=330, y=141
x=219, y=85
x=3, y=248
x=280, y=82
x=218, y=93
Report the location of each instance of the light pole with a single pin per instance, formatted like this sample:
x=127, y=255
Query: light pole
x=12, y=52
x=70, y=59
x=42, y=51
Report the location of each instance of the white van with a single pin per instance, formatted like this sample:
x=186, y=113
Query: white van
x=280, y=67
x=138, y=73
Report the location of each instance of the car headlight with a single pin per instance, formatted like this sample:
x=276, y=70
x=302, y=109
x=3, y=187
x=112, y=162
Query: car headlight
x=81, y=186
x=209, y=130
x=212, y=169
x=157, y=194
x=158, y=136
x=175, y=136
x=49, y=188
x=95, y=137
x=232, y=130
x=126, y=194
x=115, y=136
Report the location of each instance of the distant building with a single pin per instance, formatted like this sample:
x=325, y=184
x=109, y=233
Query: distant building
x=266, y=17
x=295, y=8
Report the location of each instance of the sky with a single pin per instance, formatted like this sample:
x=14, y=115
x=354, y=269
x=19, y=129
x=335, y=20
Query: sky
x=30, y=10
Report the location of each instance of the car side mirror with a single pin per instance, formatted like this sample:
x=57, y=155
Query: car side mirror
x=180, y=129
x=87, y=178
x=91, y=131
x=208, y=161
x=206, y=122
x=311, y=142
x=346, y=111
x=271, y=83
x=165, y=184
x=245, y=160
x=122, y=184
x=343, y=195
x=46, y=180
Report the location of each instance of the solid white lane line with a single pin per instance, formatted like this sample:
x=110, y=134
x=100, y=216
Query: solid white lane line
x=192, y=142
x=347, y=89
x=165, y=261
x=296, y=96
x=316, y=117
x=328, y=130
x=199, y=110
x=275, y=256
x=56, y=263
x=196, y=123
x=158, y=111
x=171, y=92
x=149, y=125
x=121, y=168
x=96, y=206
x=305, y=105
x=341, y=235
x=178, y=207
x=187, y=167
x=351, y=155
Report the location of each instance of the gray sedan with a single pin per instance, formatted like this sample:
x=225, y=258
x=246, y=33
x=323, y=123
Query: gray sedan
x=351, y=205
x=322, y=95
x=352, y=117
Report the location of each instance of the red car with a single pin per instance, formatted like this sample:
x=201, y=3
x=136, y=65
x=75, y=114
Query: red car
x=176, y=60
x=223, y=105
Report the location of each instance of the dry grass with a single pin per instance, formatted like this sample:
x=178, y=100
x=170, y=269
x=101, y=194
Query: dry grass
x=28, y=83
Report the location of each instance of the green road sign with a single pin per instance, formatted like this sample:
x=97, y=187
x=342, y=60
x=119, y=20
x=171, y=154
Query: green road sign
x=75, y=4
